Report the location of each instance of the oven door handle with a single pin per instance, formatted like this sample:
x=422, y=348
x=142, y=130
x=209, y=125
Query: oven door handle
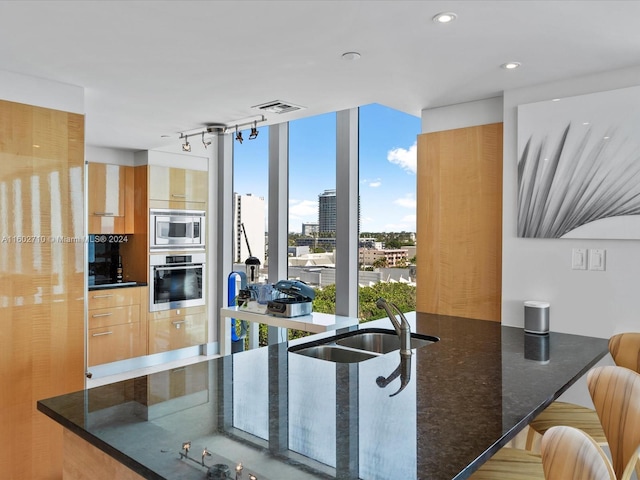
x=178, y=267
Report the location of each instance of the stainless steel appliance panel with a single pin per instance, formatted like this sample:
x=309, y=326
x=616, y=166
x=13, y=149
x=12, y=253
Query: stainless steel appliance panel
x=176, y=228
x=177, y=281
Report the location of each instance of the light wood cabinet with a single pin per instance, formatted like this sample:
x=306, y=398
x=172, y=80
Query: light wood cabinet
x=116, y=330
x=111, y=198
x=177, y=184
x=179, y=328
x=459, y=222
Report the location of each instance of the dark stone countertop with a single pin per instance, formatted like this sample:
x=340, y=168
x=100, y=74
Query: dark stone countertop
x=288, y=416
x=109, y=286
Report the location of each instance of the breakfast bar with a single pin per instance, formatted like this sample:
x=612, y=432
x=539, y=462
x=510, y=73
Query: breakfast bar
x=276, y=414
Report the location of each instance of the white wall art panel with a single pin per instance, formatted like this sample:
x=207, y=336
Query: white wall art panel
x=579, y=166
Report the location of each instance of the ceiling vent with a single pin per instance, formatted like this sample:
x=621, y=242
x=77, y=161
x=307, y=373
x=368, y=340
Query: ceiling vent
x=278, y=106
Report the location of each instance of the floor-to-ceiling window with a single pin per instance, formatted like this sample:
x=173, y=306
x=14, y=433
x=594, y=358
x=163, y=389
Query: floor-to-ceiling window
x=312, y=200
x=386, y=254
x=250, y=255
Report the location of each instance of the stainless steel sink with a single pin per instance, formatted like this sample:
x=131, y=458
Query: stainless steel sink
x=336, y=354
x=380, y=342
x=359, y=345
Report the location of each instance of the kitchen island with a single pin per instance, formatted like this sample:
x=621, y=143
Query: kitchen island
x=283, y=415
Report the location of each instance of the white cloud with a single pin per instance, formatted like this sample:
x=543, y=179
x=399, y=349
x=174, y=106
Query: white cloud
x=399, y=227
x=303, y=208
x=408, y=201
x=406, y=159
x=371, y=182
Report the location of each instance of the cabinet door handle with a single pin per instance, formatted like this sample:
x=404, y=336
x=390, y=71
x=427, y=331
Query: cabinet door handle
x=178, y=323
x=101, y=334
x=95, y=315
x=179, y=195
x=103, y=296
x=104, y=214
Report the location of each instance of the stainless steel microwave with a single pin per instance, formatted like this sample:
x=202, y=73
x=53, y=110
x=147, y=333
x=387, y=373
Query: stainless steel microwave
x=177, y=228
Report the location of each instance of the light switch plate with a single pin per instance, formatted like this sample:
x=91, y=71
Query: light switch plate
x=579, y=259
x=597, y=259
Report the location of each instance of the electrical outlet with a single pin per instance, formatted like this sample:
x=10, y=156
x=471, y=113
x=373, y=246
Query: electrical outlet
x=597, y=259
x=579, y=259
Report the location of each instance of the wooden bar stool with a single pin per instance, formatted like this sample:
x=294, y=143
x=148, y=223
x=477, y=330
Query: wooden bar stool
x=570, y=454
x=517, y=464
x=615, y=392
x=625, y=350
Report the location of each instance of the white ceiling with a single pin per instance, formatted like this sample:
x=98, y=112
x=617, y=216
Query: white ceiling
x=153, y=68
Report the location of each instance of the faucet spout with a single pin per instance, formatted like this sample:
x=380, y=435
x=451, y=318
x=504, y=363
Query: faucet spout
x=402, y=327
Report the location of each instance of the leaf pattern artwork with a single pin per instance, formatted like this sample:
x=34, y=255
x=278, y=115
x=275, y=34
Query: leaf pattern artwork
x=579, y=178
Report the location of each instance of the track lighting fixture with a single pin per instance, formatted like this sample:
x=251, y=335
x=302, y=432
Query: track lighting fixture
x=221, y=129
x=186, y=146
x=254, y=130
x=205, y=142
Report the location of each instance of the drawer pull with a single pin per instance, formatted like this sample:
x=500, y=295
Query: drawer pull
x=178, y=323
x=95, y=315
x=103, y=296
x=178, y=195
x=104, y=214
x=101, y=334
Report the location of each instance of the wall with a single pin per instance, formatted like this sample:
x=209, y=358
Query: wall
x=109, y=155
x=582, y=302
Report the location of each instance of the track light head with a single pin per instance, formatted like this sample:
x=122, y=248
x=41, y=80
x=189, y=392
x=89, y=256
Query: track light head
x=205, y=142
x=186, y=146
x=254, y=131
x=238, y=135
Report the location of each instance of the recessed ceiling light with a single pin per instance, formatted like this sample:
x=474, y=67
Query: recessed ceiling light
x=555, y=100
x=445, y=17
x=510, y=65
x=351, y=56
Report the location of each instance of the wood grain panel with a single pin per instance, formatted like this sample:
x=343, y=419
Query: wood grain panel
x=459, y=222
x=136, y=251
x=570, y=454
x=615, y=392
x=41, y=281
x=114, y=297
x=83, y=461
x=625, y=350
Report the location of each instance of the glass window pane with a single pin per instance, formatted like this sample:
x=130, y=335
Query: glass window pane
x=387, y=152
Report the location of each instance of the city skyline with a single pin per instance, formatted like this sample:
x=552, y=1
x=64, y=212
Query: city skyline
x=388, y=160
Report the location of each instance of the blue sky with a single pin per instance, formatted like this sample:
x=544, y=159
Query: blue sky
x=387, y=167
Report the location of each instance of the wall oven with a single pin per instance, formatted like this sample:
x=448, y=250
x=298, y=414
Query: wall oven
x=176, y=281
x=176, y=228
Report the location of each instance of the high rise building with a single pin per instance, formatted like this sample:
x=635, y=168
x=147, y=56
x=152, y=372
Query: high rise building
x=248, y=210
x=327, y=212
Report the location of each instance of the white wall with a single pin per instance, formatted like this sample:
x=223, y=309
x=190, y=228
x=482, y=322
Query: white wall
x=462, y=115
x=583, y=302
x=40, y=92
x=109, y=155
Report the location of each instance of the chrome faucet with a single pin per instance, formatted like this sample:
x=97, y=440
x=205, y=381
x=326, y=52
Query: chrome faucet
x=402, y=327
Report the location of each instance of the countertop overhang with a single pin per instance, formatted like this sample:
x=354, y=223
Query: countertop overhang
x=285, y=415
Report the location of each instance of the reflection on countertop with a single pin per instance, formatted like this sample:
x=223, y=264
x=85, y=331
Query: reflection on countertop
x=289, y=416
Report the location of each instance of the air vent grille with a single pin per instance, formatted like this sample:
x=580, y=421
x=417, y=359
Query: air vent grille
x=278, y=106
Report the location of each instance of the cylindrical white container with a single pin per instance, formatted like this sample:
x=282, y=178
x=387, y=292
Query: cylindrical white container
x=536, y=317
